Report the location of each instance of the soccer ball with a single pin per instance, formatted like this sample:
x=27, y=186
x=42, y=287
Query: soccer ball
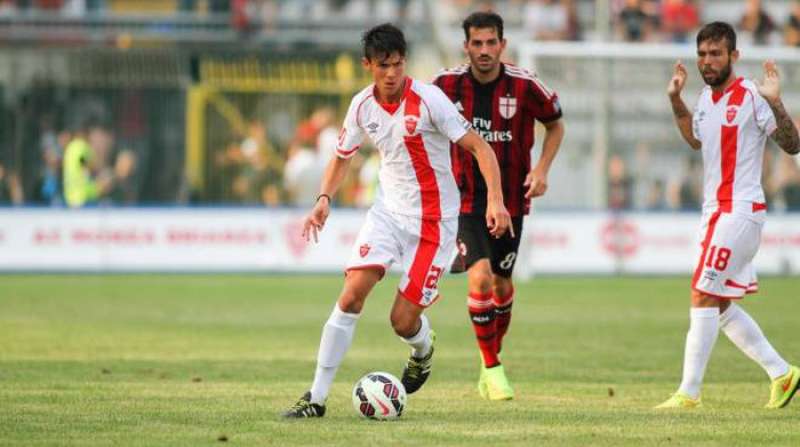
x=379, y=395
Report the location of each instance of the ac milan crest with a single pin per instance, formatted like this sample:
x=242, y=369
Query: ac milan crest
x=731, y=113
x=363, y=250
x=507, y=106
x=411, y=124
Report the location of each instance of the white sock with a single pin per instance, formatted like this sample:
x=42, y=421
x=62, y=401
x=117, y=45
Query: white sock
x=703, y=331
x=420, y=342
x=744, y=332
x=337, y=335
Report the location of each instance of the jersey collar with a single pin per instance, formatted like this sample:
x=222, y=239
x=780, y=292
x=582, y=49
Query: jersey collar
x=391, y=108
x=489, y=84
x=716, y=96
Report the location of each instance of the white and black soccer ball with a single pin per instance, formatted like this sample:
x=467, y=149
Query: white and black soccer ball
x=379, y=395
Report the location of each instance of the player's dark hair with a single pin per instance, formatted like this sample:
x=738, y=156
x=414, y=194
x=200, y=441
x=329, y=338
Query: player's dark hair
x=483, y=20
x=717, y=31
x=382, y=41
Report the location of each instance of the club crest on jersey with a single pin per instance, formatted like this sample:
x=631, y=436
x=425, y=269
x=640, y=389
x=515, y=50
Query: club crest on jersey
x=363, y=250
x=411, y=124
x=730, y=114
x=507, y=106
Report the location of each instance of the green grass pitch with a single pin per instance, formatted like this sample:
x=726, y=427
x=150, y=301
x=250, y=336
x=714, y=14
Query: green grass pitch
x=212, y=360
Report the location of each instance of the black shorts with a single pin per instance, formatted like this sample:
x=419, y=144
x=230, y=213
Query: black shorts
x=474, y=243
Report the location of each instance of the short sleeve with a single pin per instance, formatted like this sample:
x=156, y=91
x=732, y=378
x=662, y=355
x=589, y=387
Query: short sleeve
x=544, y=102
x=352, y=135
x=445, y=116
x=765, y=119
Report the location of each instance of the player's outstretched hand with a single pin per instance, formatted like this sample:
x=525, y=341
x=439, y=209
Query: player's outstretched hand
x=315, y=220
x=770, y=88
x=498, y=220
x=679, y=75
x=536, y=182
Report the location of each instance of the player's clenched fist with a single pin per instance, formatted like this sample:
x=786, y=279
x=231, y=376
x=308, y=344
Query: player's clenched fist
x=315, y=220
x=678, y=80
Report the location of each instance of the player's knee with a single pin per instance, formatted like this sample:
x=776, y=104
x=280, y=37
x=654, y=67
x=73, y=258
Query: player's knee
x=480, y=282
x=350, y=302
x=502, y=287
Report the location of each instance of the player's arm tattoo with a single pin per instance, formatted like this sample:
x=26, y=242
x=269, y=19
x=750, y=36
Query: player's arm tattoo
x=785, y=135
x=683, y=117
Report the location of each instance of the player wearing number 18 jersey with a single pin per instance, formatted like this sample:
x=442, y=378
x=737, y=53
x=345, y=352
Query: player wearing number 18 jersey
x=730, y=125
x=414, y=219
x=502, y=102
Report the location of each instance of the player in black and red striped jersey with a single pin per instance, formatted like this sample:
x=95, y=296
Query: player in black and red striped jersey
x=503, y=103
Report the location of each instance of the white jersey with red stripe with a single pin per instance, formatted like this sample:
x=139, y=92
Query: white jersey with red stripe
x=733, y=127
x=413, y=138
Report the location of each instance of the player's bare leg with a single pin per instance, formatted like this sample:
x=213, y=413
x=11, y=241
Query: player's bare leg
x=412, y=326
x=337, y=335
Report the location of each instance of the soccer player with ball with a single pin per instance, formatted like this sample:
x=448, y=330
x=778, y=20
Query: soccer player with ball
x=414, y=219
x=731, y=122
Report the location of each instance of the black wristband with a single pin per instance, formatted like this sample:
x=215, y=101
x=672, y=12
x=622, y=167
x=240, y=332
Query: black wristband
x=323, y=195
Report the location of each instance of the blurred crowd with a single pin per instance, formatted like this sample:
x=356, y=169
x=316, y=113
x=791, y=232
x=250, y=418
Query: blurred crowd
x=109, y=154
x=681, y=188
x=259, y=169
x=632, y=20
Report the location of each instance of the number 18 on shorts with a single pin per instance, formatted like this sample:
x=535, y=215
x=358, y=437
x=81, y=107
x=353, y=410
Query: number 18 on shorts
x=730, y=241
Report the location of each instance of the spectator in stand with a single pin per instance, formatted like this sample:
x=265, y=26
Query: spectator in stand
x=791, y=33
x=787, y=178
x=689, y=189
x=678, y=19
x=788, y=182
x=634, y=23
x=10, y=188
x=305, y=163
x=620, y=185
x=656, y=199
x=125, y=190
x=85, y=179
x=756, y=23
x=547, y=20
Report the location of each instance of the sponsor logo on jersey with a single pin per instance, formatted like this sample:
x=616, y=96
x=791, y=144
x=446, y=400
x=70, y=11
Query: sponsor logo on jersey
x=730, y=114
x=710, y=275
x=372, y=127
x=507, y=106
x=484, y=129
x=363, y=250
x=411, y=124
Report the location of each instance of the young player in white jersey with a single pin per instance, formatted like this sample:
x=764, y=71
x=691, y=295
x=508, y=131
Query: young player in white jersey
x=730, y=124
x=415, y=216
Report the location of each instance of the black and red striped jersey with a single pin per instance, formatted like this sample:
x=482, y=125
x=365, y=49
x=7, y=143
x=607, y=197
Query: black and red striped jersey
x=503, y=112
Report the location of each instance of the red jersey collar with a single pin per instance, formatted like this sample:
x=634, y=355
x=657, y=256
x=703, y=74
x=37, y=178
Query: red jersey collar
x=391, y=108
x=716, y=96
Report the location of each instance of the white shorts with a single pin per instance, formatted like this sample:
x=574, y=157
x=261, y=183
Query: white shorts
x=729, y=242
x=425, y=249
